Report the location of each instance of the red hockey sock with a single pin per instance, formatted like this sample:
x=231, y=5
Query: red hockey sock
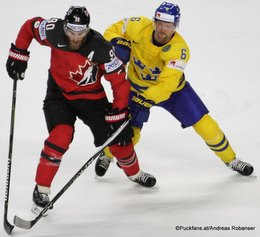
x=54, y=148
x=126, y=158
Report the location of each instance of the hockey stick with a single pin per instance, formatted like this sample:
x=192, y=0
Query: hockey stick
x=25, y=224
x=9, y=227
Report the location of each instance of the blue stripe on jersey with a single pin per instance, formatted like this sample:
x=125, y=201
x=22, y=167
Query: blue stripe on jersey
x=137, y=87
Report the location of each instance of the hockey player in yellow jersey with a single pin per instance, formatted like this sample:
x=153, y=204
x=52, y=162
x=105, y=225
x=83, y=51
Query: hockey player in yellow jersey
x=156, y=56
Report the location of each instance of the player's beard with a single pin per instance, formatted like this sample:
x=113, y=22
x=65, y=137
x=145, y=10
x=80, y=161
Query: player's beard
x=75, y=45
x=162, y=38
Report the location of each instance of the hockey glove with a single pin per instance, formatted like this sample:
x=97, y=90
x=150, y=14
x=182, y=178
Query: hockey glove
x=140, y=110
x=17, y=62
x=115, y=118
x=122, y=49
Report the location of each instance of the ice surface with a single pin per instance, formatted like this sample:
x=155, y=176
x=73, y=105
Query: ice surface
x=194, y=188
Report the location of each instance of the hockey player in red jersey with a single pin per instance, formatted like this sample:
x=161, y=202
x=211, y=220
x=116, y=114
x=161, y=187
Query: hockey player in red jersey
x=80, y=56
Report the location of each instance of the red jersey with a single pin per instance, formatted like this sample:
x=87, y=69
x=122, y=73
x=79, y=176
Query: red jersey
x=78, y=73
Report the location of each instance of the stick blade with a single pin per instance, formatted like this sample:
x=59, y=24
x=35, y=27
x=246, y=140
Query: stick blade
x=21, y=223
x=8, y=227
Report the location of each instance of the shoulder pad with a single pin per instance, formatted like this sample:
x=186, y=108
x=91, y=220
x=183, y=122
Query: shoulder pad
x=100, y=49
x=55, y=33
x=135, y=26
x=176, y=49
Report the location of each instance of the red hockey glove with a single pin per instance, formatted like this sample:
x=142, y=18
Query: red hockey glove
x=115, y=118
x=17, y=62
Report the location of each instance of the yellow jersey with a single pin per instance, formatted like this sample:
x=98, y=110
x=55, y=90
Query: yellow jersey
x=155, y=72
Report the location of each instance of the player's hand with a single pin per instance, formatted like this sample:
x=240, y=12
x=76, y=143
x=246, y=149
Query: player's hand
x=17, y=62
x=115, y=118
x=122, y=48
x=140, y=110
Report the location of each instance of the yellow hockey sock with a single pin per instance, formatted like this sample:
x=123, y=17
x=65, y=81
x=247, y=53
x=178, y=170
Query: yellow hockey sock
x=108, y=153
x=137, y=134
x=210, y=132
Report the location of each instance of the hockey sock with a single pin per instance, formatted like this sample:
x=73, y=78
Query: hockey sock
x=137, y=134
x=216, y=140
x=54, y=148
x=126, y=158
x=135, y=140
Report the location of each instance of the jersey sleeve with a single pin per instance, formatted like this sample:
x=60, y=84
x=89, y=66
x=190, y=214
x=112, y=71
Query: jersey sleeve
x=127, y=28
x=114, y=72
x=32, y=29
x=115, y=30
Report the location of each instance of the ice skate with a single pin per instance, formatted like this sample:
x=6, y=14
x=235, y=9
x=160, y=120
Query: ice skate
x=144, y=179
x=40, y=200
x=241, y=167
x=102, y=164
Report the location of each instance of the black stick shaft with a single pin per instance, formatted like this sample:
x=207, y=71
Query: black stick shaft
x=9, y=227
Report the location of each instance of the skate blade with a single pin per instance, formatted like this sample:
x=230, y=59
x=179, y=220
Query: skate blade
x=37, y=210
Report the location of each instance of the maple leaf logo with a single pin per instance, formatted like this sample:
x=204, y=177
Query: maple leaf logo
x=85, y=75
